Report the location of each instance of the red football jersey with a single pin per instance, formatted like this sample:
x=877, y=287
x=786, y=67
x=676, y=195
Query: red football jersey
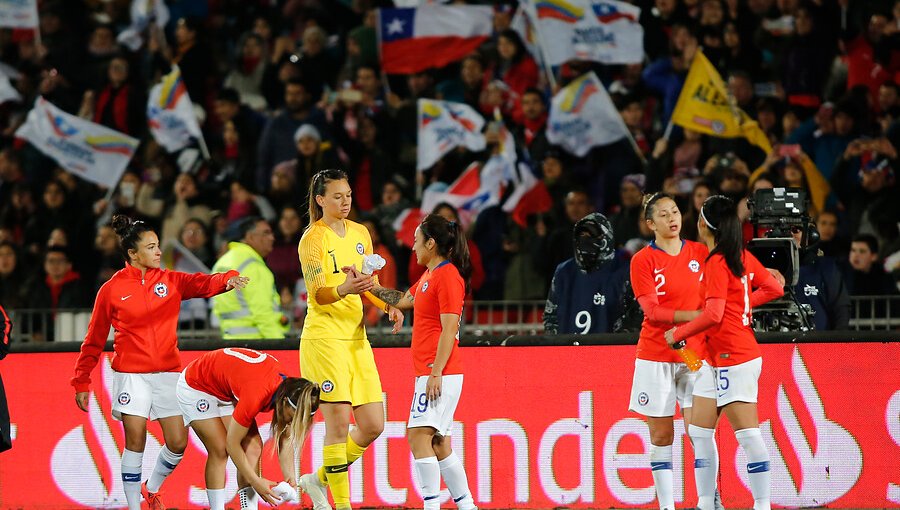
x=732, y=341
x=236, y=374
x=439, y=291
x=675, y=280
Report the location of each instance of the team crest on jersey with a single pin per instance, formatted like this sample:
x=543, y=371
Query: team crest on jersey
x=424, y=286
x=694, y=266
x=203, y=405
x=643, y=398
x=161, y=290
x=327, y=386
x=360, y=249
x=124, y=398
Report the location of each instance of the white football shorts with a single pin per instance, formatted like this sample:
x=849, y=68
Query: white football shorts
x=149, y=395
x=198, y=405
x=437, y=414
x=658, y=385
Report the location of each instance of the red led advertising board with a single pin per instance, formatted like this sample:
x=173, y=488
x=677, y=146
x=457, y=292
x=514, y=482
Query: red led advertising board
x=537, y=427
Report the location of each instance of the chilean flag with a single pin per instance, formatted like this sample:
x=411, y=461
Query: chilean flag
x=417, y=38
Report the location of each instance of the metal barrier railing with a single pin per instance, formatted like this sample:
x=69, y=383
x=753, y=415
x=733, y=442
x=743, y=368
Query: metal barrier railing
x=481, y=318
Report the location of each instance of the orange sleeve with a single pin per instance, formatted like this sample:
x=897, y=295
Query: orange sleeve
x=194, y=285
x=94, y=341
x=642, y=276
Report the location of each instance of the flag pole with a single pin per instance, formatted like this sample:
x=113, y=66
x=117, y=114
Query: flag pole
x=37, y=28
x=668, y=131
x=531, y=16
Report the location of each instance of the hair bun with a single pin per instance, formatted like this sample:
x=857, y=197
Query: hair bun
x=121, y=224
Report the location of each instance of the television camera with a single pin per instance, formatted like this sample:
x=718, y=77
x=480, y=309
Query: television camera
x=776, y=215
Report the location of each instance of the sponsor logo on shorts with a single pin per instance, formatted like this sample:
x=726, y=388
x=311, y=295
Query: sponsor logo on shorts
x=694, y=266
x=124, y=398
x=643, y=398
x=161, y=290
x=416, y=416
x=203, y=405
x=359, y=248
x=327, y=387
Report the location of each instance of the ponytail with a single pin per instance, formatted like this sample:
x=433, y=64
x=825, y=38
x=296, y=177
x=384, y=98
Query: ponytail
x=719, y=213
x=302, y=397
x=451, y=243
x=317, y=187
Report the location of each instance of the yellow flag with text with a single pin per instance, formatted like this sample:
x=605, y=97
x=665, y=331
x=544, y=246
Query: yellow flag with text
x=705, y=106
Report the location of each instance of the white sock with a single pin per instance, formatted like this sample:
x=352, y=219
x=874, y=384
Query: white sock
x=248, y=499
x=661, y=468
x=757, y=466
x=706, y=465
x=429, y=481
x=216, y=499
x=131, y=478
x=454, y=474
x=165, y=464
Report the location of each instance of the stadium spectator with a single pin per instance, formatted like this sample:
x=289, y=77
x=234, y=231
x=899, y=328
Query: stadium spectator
x=277, y=142
x=253, y=312
x=531, y=134
x=13, y=277
x=866, y=276
x=118, y=103
x=625, y=220
x=57, y=287
x=187, y=203
x=282, y=260
x=831, y=242
x=247, y=75
x=476, y=277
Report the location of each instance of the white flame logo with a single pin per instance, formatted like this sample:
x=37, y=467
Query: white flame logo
x=825, y=474
x=75, y=468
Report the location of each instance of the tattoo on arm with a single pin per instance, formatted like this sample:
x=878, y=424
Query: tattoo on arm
x=389, y=296
x=410, y=297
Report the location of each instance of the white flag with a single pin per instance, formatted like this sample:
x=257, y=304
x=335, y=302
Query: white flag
x=143, y=13
x=476, y=189
x=604, y=31
x=93, y=152
x=582, y=116
x=444, y=125
x=170, y=113
x=18, y=14
x=523, y=24
x=8, y=92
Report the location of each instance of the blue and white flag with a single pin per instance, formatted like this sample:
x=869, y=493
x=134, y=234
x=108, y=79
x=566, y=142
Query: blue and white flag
x=443, y=126
x=18, y=14
x=93, y=152
x=604, y=31
x=170, y=113
x=583, y=116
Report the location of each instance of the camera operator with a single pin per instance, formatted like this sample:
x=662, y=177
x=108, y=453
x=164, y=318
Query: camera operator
x=820, y=284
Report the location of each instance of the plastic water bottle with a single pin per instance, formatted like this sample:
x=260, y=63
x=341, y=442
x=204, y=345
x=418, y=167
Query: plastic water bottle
x=690, y=357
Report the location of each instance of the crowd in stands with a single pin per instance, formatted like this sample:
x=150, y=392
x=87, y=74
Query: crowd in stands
x=285, y=88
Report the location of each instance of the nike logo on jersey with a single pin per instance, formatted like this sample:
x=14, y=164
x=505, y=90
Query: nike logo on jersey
x=123, y=298
x=657, y=271
x=416, y=416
